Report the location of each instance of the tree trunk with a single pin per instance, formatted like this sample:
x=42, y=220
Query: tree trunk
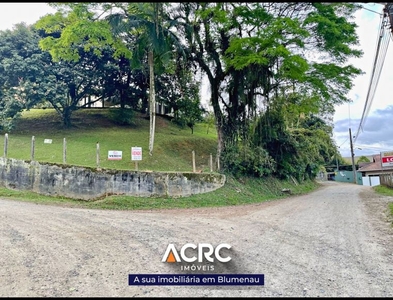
x=152, y=100
x=218, y=116
x=66, y=115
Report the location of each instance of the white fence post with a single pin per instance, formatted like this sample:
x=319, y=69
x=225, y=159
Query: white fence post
x=64, y=151
x=98, y=155
x=193, y=161
x=32, y=147
x=5, y=145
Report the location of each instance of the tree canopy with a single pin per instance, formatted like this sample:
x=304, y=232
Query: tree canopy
x=276, y=70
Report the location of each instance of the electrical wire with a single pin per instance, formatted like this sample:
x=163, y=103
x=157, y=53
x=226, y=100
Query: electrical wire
x=362, y=7
x=372, y=147
x=343, y=143
x=385, y=44
x=382, y=46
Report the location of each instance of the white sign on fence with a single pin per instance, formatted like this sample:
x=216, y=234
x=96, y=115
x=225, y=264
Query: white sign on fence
x=115, y=155
x=48, y=141
x=136, y=153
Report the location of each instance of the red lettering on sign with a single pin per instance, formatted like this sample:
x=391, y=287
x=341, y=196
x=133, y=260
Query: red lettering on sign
x=387, y=159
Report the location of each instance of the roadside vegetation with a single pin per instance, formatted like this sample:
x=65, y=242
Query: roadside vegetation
x=270, y=101
x=234, y=192
x=173, y=150
x=174, y=145
x=387, y=191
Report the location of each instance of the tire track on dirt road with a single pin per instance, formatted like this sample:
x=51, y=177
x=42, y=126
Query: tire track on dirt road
x=333, y=242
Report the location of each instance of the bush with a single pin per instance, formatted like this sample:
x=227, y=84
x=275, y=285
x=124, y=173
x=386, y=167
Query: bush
x=247, y=160
x=122, y=116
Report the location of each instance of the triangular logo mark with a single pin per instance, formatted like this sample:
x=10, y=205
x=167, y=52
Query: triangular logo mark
x=171, y=258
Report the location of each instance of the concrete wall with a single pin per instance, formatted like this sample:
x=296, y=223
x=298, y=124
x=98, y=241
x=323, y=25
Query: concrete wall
x=371, y=180
x=347, y=176
x=90, y=183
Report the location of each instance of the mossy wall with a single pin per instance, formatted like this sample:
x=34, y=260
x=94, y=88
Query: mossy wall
x=89, y=183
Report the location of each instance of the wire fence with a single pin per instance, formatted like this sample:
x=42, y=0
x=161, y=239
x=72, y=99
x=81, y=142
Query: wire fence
x=205, y=164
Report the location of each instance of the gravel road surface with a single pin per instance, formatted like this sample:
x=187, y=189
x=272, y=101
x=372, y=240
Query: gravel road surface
x=334, y=242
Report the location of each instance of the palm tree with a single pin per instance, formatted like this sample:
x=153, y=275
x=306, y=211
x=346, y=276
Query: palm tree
x=146, y=26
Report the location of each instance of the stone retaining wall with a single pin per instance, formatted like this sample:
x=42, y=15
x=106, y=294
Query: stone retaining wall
x=89, y=183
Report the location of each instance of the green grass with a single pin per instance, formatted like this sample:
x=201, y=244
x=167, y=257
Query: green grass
x=172, y=152
x=387, y=191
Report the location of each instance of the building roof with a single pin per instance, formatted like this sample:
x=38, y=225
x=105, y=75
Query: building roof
x=363, y=164
x=375, y=165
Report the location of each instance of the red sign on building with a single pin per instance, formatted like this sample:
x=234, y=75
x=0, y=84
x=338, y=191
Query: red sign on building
x=387, y=159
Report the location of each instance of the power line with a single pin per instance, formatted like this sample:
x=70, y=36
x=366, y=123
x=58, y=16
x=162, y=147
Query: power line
x=382, y=46
x=362, y=7
x=386, y=148
x=343, y=143
x=385, y=44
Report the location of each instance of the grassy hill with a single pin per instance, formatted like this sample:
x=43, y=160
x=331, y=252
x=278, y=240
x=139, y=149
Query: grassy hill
x=172, y=152
x=348, y=160
x=172, y=148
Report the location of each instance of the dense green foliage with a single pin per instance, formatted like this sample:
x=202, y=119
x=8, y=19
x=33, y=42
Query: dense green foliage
x=121, y=116
x=256, y=54
x=271, y=97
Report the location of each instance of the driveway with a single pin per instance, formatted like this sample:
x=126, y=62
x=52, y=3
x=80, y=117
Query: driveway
x=334, y=242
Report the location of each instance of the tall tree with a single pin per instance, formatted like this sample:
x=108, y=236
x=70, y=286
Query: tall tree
x=147, y=23
x=29, y=76
x=130, y=28
x=180, y=92
x=24, y=73
x=250, y=50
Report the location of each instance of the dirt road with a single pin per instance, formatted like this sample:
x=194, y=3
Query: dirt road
x=334, y=242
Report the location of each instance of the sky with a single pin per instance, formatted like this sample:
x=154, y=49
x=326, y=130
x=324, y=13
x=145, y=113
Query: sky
x=377, y=132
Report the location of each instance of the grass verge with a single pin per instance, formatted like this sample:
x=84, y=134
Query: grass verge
x=93, y=134
x=172, y=152
x=384, y=190
x=234, y=192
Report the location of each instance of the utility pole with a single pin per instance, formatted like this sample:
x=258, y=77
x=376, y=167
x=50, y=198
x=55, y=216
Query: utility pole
x=355, y=180
x=389, y=11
